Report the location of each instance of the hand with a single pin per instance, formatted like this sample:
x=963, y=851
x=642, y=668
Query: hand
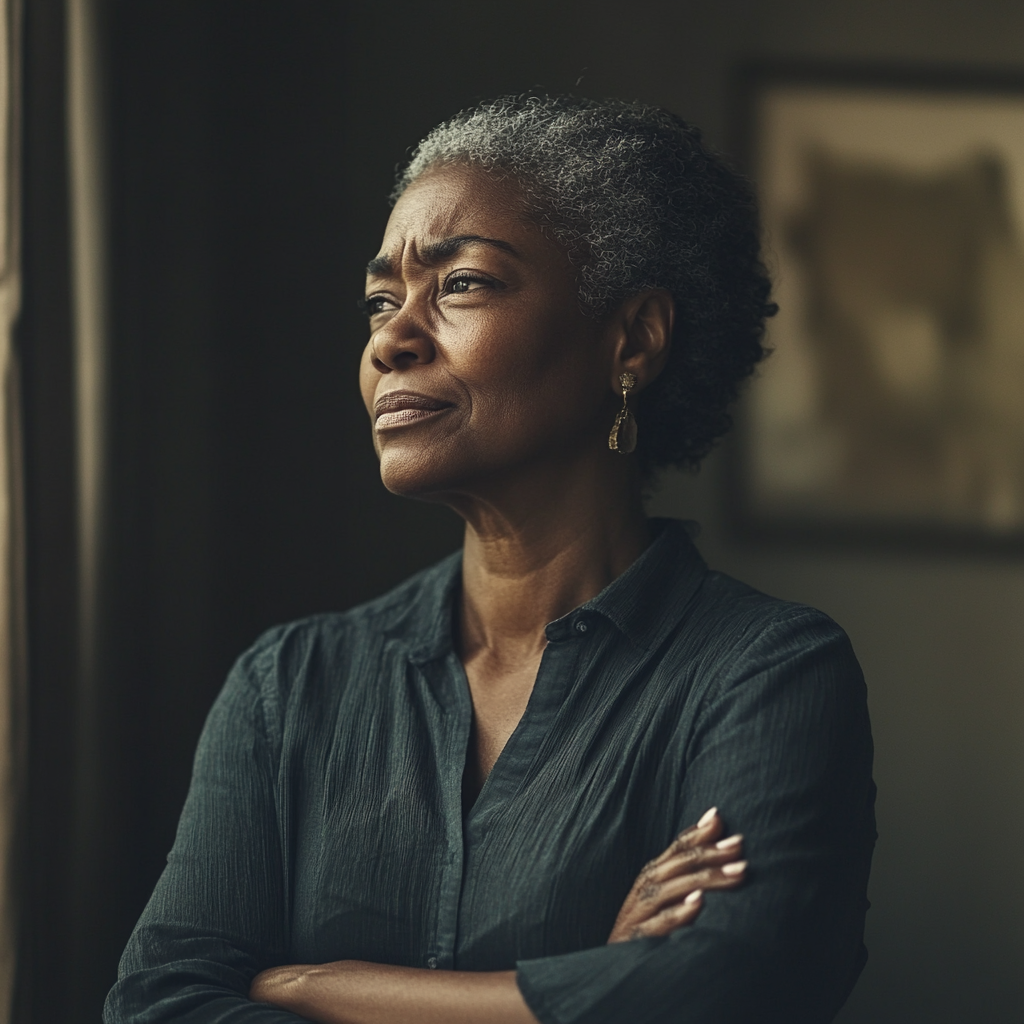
x=668, y=893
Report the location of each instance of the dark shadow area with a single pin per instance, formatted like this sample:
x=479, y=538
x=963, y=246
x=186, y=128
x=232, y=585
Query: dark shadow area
x=242, y=488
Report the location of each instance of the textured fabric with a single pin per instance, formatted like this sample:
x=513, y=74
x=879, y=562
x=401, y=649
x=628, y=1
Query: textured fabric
x=325, y=818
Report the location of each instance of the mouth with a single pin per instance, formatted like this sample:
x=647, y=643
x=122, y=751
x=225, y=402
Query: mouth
x=402, y=408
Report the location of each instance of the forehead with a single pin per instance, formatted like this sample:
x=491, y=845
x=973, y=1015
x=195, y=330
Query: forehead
x=460, y=200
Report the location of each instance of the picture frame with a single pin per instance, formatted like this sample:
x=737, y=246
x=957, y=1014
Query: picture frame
x=891, y=407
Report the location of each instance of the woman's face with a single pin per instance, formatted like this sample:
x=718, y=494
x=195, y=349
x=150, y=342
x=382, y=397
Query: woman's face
x=480, y=366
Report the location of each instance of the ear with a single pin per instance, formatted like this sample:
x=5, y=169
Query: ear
x=642, y=336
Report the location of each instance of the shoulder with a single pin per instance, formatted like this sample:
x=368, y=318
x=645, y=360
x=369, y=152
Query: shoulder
x=322, y=647
x=746, y=639
x=739, y=617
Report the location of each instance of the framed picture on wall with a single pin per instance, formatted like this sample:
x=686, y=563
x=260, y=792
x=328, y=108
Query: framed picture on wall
x=892, y=405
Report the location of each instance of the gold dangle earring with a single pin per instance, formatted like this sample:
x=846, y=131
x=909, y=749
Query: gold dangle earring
x=622, y=439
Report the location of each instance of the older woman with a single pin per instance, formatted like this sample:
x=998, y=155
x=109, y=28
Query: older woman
x=463, y=801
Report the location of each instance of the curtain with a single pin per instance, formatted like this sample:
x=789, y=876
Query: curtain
x=12, y=605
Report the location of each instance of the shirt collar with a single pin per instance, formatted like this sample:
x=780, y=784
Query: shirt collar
x=647, y=600
x=644, y=603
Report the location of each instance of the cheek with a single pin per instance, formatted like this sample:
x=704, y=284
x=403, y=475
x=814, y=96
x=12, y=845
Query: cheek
x=542, y=375
x=368, y=378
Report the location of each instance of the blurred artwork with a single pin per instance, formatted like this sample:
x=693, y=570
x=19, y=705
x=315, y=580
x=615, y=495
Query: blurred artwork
x=894, y=397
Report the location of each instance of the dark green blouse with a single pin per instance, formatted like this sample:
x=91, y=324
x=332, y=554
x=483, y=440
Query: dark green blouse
x=325, y=818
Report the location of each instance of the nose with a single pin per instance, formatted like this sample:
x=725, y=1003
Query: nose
x=402, y=342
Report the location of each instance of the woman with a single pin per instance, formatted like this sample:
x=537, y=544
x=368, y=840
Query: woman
x=459, y=802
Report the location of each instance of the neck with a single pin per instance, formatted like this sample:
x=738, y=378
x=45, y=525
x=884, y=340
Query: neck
x=542, y=547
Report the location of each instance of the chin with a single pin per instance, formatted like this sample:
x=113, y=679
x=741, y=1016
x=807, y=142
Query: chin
x=414, y=473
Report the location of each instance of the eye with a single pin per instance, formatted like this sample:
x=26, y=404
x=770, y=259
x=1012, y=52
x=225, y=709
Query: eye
x=374, y=304
x=461, y=282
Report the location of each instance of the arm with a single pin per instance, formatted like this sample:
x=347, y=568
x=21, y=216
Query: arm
x=354, y=992
x=217, y=915
x=782, y=744
x=666, y=896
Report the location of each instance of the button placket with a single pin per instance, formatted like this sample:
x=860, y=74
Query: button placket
x=440, y=953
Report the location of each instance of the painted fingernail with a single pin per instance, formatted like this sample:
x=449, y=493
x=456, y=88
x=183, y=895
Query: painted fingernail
x=709, y=816
x=734, y=869
x=731, y=841
x=694, y=897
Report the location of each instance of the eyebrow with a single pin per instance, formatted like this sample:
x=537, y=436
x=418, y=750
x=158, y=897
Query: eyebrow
x=434, y=252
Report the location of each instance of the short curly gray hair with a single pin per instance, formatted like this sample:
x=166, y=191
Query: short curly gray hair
x=638, y=201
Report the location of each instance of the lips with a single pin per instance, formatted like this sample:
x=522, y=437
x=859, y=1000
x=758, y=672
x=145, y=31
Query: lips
x=399, y=408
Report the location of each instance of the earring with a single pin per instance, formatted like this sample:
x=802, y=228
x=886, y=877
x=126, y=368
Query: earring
x=622, y=439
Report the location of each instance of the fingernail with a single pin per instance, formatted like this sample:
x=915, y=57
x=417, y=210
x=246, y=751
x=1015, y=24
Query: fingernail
x=708, y=817
x=694, y=896
x=734, y=869
x=731, y=841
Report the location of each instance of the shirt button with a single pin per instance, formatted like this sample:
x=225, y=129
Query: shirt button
x=432, y=962
x=581, y=626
